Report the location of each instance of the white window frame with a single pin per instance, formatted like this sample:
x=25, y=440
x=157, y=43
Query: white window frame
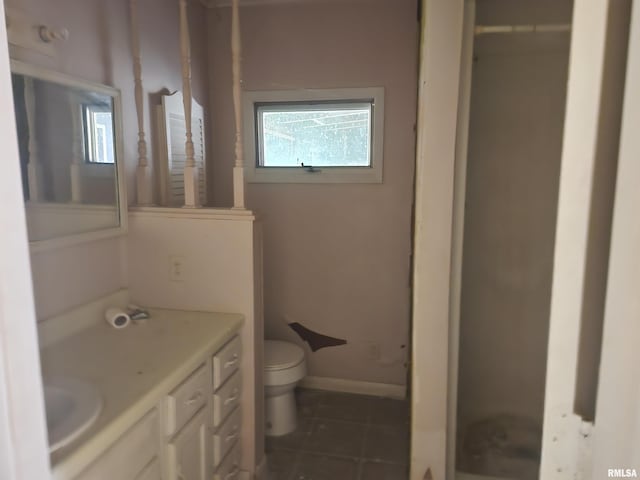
x=368, y=174
x=90, y=139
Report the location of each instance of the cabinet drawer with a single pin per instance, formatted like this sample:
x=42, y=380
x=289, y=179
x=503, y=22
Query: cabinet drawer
x=226, y=399
x=226, y=437
x=230, y=467
x=225, y=362
x=186, y=400
x=129, y=455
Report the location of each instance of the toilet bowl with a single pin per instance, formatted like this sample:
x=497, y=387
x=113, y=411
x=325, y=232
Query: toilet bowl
x=284, y=367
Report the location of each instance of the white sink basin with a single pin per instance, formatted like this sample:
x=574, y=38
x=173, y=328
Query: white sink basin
x=71, y=406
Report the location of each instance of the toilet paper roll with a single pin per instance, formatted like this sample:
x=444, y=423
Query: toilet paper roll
x=117, y=318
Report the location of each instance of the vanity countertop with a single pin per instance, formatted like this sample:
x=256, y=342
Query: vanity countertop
x=133, y=369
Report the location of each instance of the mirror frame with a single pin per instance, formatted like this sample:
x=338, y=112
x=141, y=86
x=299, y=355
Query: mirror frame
x=46, y=74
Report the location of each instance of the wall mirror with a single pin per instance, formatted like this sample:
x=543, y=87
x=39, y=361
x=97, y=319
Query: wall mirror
x=70, y=156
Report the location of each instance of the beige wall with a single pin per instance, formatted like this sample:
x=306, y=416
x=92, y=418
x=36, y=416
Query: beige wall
x=337, y=257
x=99, y=49
x=513, y=167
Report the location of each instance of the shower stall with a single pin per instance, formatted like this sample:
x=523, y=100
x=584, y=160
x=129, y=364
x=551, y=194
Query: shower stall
x=515, y=65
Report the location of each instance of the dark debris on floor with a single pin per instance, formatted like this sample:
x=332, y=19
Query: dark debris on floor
x=343, y=437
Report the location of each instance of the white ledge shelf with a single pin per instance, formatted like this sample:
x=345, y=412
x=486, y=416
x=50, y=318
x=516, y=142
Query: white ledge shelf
x=204, y=213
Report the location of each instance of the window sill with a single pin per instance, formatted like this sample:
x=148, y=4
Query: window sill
x=321, y=175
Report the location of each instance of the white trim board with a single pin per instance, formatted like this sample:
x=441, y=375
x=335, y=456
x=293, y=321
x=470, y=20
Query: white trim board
x=198, y=213
x=457, y=240
x=439, y=89
x=355, y=386
x=343, y=174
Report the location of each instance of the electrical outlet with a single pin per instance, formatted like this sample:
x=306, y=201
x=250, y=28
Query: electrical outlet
x=176, y=268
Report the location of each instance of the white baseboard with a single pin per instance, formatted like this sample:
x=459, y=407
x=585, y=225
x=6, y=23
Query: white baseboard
x=355, y=386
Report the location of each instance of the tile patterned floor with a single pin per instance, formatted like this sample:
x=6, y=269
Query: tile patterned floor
x=343, y=437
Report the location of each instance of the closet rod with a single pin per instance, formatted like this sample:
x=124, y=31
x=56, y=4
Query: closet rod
x=549, y=28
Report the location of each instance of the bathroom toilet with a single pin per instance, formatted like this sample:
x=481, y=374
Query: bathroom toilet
x=284, y=367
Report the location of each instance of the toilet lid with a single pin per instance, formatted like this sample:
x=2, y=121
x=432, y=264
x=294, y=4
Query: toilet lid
x=279, y=355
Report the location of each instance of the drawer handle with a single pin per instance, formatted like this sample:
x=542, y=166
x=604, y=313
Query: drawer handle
x=233, y=473
x=232, y=362
x=195, y=398
x=232, y=398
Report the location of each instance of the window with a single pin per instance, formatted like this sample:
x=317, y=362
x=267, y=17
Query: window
x=314, y=136
x=324, y=134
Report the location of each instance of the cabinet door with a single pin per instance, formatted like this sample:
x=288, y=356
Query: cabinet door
x=187, y=453
x=129, y=454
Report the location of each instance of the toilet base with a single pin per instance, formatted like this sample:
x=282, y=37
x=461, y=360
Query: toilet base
x=280, y=414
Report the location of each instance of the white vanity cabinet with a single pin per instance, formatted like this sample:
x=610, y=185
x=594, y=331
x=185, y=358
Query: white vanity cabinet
x=226, y=420
x=170, y=389
x=191, y=434
x=203, y=421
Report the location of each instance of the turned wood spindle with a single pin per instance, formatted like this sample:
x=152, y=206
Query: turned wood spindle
x=238, y=169
x=143, y=171
x=190, y=170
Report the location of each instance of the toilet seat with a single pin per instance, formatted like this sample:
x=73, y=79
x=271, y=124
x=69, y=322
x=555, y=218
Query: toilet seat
x=280, y=355
x=284, y=363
